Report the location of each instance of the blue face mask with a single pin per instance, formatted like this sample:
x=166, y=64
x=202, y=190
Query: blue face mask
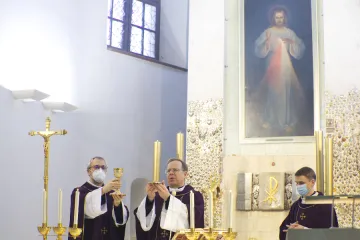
x=302, y=190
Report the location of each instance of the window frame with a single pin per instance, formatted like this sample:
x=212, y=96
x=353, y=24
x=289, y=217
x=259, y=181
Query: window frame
x=126, y=36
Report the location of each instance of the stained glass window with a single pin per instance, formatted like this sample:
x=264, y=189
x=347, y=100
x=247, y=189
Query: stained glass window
x=133, y=26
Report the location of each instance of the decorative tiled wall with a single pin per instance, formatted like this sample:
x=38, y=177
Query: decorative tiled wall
x=343, y=124
x=205, y=151
x=204, y=148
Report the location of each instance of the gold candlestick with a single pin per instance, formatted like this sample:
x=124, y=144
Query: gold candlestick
x=75, y=231
x=157, y=158
x=230, y=234
x=319, y=161
x=118, y=172
x=329, y=166
x=189, y=234
x=59, y=231
x=44, y=230
x=211, y=234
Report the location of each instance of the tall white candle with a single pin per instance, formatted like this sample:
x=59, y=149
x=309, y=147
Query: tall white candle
x=60, y=206
x=230, y=209
x=192, y=210
x=44, y=206
x=76, y=209
x=211, y=225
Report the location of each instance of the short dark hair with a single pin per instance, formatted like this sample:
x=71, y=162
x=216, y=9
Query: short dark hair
x=307, y=172
x=183, y=164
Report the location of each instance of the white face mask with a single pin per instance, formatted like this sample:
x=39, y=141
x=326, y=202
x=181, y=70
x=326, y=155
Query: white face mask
x=99, y=175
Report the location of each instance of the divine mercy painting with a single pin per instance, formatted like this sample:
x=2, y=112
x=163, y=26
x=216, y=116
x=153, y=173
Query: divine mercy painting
x=279, y=81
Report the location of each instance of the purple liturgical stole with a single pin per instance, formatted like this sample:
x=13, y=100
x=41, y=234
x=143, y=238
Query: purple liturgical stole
x=102, y=227
x=156, y=232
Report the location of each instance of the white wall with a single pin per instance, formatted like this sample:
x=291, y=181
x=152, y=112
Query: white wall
x=342, y=45
x=125, y=104
x=206, y=50
x=44, y=38
x=37, y=46
x=174, y=32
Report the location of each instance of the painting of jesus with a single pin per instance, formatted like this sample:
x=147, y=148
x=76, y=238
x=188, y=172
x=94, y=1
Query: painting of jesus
x=278, y=68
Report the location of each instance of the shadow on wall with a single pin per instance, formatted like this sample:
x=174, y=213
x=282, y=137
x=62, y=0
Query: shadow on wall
x=137, y=195
x=173, y=119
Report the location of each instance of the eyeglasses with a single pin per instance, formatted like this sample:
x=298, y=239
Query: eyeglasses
x=174, y=170
x=103, y=167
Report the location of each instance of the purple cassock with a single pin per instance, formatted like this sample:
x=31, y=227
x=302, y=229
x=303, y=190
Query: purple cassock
x=102, y=227
x=155, y=231
x=310, y=216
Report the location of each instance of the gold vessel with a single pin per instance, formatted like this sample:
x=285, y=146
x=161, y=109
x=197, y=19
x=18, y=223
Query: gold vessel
x=118, y=172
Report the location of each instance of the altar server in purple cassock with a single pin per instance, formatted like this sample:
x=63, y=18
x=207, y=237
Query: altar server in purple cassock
x=306, y=216
x=102, y=214
x=167, y=209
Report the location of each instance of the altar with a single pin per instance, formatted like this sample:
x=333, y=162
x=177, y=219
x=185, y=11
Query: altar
x=324, y=234
x=331, y=233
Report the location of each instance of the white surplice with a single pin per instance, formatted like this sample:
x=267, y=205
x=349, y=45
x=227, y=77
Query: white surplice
x=93, y=207
x=285, y=94
x=172, y=219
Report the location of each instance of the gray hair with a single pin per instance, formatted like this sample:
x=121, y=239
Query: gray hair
x=183, y=164
x=92, y=159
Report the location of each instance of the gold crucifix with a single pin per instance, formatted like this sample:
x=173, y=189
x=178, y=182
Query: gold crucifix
x=302, y=216
x=46, y=135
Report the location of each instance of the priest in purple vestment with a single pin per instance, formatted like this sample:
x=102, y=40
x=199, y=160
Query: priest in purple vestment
x=166, y=210
x=305, y=216
x=102, y=215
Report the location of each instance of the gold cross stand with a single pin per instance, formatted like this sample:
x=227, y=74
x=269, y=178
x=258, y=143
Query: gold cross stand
x=44, y=229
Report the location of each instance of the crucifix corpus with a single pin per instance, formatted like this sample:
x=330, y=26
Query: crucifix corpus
x=46, y=135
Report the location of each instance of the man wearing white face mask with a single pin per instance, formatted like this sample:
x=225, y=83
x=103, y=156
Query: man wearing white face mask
x=102, y=215
x=305, y=216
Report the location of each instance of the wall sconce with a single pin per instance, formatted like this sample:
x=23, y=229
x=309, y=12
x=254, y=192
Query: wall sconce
x=59, y=106
x=29, y=95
